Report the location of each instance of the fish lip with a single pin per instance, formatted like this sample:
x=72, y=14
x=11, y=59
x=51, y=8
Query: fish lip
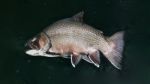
x=32, y=52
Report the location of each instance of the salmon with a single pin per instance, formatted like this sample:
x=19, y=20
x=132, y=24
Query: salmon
x=72, y=38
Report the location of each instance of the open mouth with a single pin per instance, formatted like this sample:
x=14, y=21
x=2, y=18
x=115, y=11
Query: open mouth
x=31, y=51
x=32, y=47
x=39, y=45
x=33, y=44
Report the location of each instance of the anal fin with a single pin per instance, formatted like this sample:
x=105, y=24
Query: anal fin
x=95, y=58
x=86, y=58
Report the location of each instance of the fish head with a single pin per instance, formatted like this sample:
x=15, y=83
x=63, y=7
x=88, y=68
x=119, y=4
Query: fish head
x=38, y=45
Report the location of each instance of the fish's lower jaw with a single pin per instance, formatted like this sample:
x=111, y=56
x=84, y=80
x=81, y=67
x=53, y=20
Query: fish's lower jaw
x=35, y=52
x=32, y=52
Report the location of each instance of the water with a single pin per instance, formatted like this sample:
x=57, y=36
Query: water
x=22, y=19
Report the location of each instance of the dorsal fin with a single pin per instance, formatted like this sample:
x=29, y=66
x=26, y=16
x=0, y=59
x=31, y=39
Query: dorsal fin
x=79, y=16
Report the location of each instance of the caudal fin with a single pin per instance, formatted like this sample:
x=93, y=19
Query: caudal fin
x=116, y=45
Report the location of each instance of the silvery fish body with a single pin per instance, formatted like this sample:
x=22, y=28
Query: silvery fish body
x=72, y=38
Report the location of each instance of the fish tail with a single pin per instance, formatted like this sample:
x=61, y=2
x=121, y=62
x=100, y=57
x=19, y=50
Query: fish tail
x=114, y=54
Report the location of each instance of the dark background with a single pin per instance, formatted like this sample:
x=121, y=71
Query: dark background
x=22, y=19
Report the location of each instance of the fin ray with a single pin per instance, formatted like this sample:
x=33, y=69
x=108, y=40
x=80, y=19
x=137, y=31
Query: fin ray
x=75, y=59
x=85, y=57
x=79, y=16
x=95, y=58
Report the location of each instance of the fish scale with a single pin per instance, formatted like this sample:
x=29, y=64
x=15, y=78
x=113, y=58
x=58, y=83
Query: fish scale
x=72, y=37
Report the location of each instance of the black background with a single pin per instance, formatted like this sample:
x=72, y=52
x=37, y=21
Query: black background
x=22, y=19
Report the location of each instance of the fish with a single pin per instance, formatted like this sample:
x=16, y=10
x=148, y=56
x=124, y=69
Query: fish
x=73, y=39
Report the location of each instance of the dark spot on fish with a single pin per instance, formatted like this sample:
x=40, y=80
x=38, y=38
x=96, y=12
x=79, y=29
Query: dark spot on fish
x=52, y=53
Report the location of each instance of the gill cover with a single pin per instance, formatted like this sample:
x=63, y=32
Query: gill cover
x=44, y=42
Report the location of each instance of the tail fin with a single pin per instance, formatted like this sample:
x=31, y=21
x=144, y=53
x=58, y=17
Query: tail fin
x=116, y=43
